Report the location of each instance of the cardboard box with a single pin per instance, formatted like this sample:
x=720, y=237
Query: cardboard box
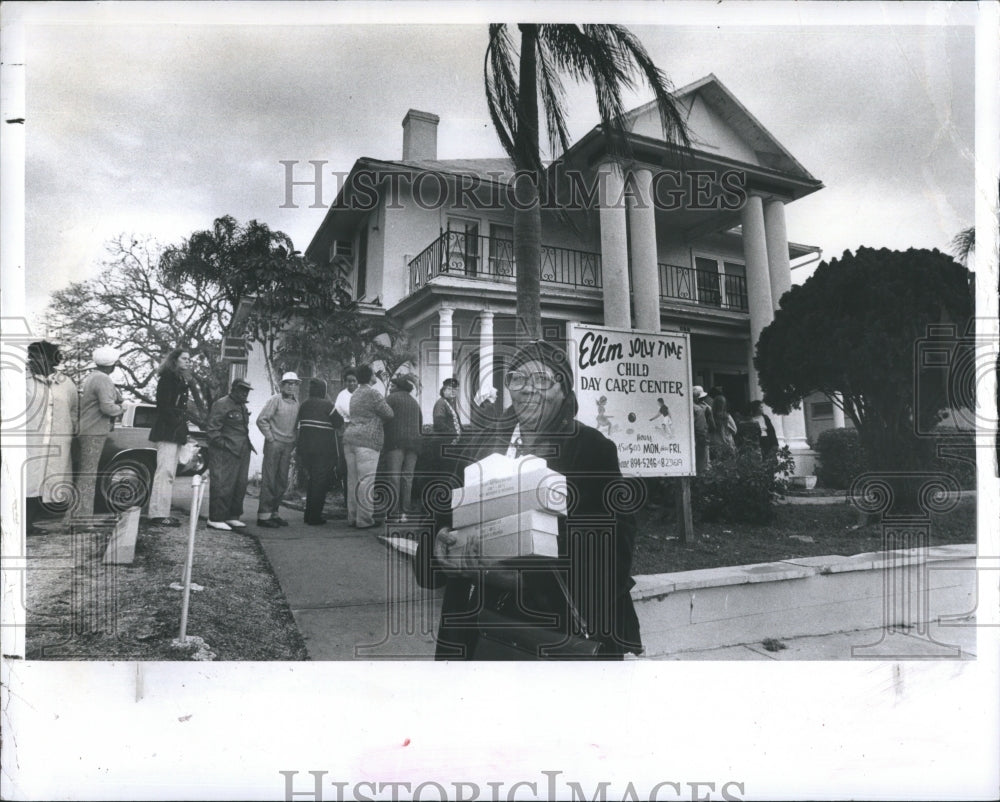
x=529, y=534
x=498, y=486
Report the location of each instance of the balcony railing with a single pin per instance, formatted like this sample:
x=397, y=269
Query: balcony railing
x=456, y=253
x=703, y=287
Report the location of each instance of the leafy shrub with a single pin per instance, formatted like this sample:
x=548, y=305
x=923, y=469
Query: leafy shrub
x=743, y=488
x=841, y=458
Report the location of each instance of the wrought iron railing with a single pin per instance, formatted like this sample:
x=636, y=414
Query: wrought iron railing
x=456, y=253
x=703, y=287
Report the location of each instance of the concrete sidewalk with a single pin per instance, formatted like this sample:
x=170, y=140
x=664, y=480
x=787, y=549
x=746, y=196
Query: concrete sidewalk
x=354, y=597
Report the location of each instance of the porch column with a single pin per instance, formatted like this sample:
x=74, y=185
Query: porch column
x=758, y=278
x=446, y=357
x=794, y=423
x=642, y=231
x=485, y=350
x=839, y=418
x=777, y=249
x=614, y=246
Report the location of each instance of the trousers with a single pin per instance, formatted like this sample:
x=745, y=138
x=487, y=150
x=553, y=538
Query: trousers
x=319, y=469
x=400, y=464
x=362, y=465
x=228, y=473
x=91, y=446
x=163, y=480
x=274, y=476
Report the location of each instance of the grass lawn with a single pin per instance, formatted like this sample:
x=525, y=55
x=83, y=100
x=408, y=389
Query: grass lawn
x=80, y=609
x=796, y=531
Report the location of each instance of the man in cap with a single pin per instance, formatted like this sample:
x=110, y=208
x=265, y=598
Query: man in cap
x=704, y=425
x=100, y=404
x=278, y=422
x=229, y=450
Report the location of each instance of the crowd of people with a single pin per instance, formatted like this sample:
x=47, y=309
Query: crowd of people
x=364, y=433
x=718, y=434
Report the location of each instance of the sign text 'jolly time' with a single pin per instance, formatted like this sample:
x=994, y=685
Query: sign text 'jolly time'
x=633, y=387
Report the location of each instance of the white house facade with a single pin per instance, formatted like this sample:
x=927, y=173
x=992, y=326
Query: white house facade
x=677, y=239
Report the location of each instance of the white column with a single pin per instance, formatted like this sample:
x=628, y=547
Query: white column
x=485, y=350
x=614, y=246
x=446, y=357
x=776, y=234
x=839, y=419
x=758, y=279
x=642, y=235
x=778, y=263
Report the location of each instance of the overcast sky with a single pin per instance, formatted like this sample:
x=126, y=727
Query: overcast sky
x=160, y=128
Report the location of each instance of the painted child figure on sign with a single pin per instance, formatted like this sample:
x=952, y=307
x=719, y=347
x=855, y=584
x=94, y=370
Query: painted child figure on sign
x=603, y=419
x=666, y=423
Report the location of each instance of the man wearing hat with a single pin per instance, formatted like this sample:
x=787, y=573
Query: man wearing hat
x=100, y=404
x=402, y=442
x=704, y=425
x=229, y=450
x=278, y=422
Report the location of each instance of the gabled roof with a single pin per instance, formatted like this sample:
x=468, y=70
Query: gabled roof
x=498, y=169
x=769, y=151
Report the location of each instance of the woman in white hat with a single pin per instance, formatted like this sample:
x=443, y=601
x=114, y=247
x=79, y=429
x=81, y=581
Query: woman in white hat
x=100, y=404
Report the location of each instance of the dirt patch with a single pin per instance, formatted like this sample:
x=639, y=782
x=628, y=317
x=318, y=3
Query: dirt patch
x=796, y=531
x=80, y=609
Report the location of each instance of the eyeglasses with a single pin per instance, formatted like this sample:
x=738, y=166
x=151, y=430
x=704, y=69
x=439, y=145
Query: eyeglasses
x=515, y=382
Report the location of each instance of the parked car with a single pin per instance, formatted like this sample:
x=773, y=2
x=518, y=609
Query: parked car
x=128, y=460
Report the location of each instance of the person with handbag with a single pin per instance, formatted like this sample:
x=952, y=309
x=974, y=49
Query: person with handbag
x=575, y=606
x=169, y=432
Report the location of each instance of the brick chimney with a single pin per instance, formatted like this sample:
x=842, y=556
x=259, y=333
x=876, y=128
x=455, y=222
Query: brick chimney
x=420, y=135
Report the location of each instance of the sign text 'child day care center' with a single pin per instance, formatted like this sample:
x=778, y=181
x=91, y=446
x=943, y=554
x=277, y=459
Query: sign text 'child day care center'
x=634, y=387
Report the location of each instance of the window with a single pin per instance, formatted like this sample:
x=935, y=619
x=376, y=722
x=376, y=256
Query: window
x=463, y=246
x=721, y=283
x=501, y=250
x=362, y=279
x=822, y=409
x=341, y=247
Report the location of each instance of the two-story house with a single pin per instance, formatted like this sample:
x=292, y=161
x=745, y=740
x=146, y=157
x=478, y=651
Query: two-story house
x=431, y=242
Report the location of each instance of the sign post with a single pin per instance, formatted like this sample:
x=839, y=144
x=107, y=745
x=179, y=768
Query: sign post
x=634, y=387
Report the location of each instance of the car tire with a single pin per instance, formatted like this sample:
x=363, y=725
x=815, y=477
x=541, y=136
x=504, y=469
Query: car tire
x=126, y=482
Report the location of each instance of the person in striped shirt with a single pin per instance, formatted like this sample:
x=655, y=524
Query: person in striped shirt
x=317, y=449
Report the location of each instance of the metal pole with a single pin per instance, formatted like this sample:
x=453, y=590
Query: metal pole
x=193, y=524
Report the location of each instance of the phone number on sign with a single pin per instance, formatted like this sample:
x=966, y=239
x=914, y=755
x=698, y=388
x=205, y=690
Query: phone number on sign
x=650, y=462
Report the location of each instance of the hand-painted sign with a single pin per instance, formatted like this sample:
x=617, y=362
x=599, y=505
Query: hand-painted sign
x=633, y=387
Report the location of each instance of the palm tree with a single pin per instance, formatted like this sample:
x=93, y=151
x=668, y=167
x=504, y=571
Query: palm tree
x=608, y=56
x=964, y=244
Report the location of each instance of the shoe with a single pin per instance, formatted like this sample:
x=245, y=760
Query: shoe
x=165, y=521
x=318, y=522
x=369, y=526
x=220, y=525
x=235, y=523
x=281, y=521
x=268, y=523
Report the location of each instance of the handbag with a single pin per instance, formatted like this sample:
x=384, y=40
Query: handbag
x=503, y=638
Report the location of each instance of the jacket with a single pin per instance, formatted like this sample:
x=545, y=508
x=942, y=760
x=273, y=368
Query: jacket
x=600, y=588
x=100, y=404
x=368, y=410
x=170, y=425
x=404, y=429
x=228, y=427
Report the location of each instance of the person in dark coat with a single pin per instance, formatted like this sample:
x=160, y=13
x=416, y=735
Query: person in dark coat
x=542, y=422
x=229, y=450
x=402, y=443
x=768, y=437
x=316, y=449
x=169, y=432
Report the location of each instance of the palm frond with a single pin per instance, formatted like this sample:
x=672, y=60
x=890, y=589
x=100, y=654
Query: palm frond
x=964, y=244
x=500, y=80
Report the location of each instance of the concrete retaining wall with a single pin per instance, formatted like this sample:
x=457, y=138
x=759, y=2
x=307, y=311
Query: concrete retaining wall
x=807, y=596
